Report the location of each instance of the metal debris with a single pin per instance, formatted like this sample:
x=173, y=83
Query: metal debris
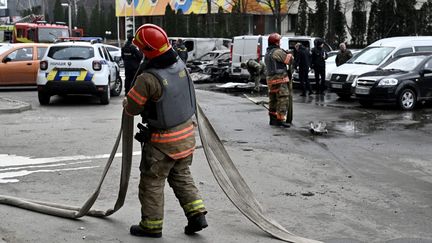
x=319, y=128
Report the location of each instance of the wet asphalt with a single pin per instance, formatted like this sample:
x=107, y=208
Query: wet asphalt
x=369, y=179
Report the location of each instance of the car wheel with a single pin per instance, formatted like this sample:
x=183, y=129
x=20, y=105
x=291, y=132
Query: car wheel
x=105, y=96
x=116, y=91
x=366, y=103
x=44, y=98
x=407, y=99
x=343, y=96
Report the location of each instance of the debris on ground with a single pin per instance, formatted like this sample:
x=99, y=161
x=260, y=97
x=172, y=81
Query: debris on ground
x=308, y=194
x=318, y=129
x=196, y=77
x=232, y=86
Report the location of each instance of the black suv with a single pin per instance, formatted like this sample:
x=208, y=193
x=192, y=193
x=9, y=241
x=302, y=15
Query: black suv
x=404, y=80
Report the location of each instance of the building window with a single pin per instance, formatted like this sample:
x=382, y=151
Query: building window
x=292, y=22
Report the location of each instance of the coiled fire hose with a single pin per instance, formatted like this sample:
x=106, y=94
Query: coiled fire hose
x=221, y=165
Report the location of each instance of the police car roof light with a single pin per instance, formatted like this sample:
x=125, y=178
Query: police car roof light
x=92, y=40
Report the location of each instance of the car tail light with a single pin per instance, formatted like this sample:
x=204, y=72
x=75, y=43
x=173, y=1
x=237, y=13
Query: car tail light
x=43, y=65
x=97, y=65
x=259, y=52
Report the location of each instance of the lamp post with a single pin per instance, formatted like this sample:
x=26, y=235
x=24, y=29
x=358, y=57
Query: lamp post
x=69, y=15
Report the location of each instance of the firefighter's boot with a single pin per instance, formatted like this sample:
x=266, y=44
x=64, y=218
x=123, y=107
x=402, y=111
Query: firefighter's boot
x=195, y=224
x=283, y=124
x=273, y=120
x=137, y=230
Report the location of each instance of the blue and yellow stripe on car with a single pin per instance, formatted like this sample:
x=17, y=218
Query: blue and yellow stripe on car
x=54, y=75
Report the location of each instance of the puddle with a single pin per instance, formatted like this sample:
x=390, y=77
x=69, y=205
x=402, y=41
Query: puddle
x=377, y=118
x=362, y=124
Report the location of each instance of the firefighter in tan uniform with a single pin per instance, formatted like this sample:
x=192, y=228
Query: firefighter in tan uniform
x=276, y=61
x=256, y=71
x=164, y=96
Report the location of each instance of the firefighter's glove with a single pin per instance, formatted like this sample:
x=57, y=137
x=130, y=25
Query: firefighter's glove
x=144, y=133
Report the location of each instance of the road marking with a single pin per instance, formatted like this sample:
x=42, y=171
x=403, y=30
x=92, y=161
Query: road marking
x=5, y=177
x=16, y=160
x=13, y=166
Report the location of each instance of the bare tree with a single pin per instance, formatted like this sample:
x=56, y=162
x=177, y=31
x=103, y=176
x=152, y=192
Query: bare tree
x=276, y=8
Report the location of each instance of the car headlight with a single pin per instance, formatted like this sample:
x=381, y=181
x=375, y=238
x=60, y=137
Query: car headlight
x=351, y=78
x=354, y=83
x=388, y=82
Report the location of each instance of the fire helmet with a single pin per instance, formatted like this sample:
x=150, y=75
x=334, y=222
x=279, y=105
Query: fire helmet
x=274, y=39
x=151, y=40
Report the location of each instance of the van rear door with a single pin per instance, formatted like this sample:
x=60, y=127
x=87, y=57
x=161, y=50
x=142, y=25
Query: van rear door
x=244, y=48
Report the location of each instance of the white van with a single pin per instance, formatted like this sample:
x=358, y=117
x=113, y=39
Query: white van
x=198, y=47
x=247, y=47
x=370, y=58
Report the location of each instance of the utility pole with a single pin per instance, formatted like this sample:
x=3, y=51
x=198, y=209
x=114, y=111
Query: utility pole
x=43, y=8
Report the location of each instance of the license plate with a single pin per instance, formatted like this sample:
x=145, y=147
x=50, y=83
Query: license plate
x=69, y=73
x=336, y=86
x=237, y=70
x=362, y=91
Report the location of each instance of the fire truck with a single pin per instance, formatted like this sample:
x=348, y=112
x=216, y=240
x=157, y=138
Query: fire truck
x=32, y=28
x=6, y=33
x=40, y=32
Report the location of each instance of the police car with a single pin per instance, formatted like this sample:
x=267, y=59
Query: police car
x=78, y=67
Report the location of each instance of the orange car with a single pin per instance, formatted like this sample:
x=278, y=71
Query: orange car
x=19, y=63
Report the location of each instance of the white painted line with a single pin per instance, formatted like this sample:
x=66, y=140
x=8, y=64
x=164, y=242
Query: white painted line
x=7, y=160
x=44, y=166
x=5, y=177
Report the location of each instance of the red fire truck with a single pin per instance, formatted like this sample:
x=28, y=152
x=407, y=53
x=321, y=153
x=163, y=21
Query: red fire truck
x=40, y=32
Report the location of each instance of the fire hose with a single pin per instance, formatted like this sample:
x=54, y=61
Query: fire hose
x=221, y=165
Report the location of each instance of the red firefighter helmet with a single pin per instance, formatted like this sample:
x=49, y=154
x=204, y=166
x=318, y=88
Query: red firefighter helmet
x=151, y=40
x=274, y=39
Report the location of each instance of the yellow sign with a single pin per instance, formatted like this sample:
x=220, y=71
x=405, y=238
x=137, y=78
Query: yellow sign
x=157, y=7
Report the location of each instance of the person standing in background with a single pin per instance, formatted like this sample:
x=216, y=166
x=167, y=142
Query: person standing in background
x=276, y=61
x=131, y=58
x=181, y=50
x=319, y=55
x=343, y=55
x=302, y=65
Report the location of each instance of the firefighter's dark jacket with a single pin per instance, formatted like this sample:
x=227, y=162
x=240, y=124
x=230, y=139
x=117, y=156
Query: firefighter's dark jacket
x=177, y=103
x=163, y=94
x=274, y=67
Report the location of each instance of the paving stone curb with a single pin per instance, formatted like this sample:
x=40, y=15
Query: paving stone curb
x=8, y=106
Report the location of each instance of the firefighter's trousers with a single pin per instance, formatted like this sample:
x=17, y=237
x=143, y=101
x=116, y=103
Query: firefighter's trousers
x=278, y=100
x=156, y=168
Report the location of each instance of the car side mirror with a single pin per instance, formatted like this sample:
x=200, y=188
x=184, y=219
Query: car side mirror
x=7, y=59
x=426, y=71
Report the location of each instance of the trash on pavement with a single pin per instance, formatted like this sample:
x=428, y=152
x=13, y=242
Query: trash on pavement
x=319, y=128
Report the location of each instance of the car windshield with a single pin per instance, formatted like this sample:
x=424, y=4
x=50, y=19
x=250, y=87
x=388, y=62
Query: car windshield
x=407, y=63
x=71, y=52
x=51, y=34
x=5, y=48
x=224, y=56
x=209, y=56
x=372, y=55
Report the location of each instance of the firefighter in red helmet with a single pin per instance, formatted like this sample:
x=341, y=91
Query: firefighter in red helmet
x=276, y=61
x=164, y=96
